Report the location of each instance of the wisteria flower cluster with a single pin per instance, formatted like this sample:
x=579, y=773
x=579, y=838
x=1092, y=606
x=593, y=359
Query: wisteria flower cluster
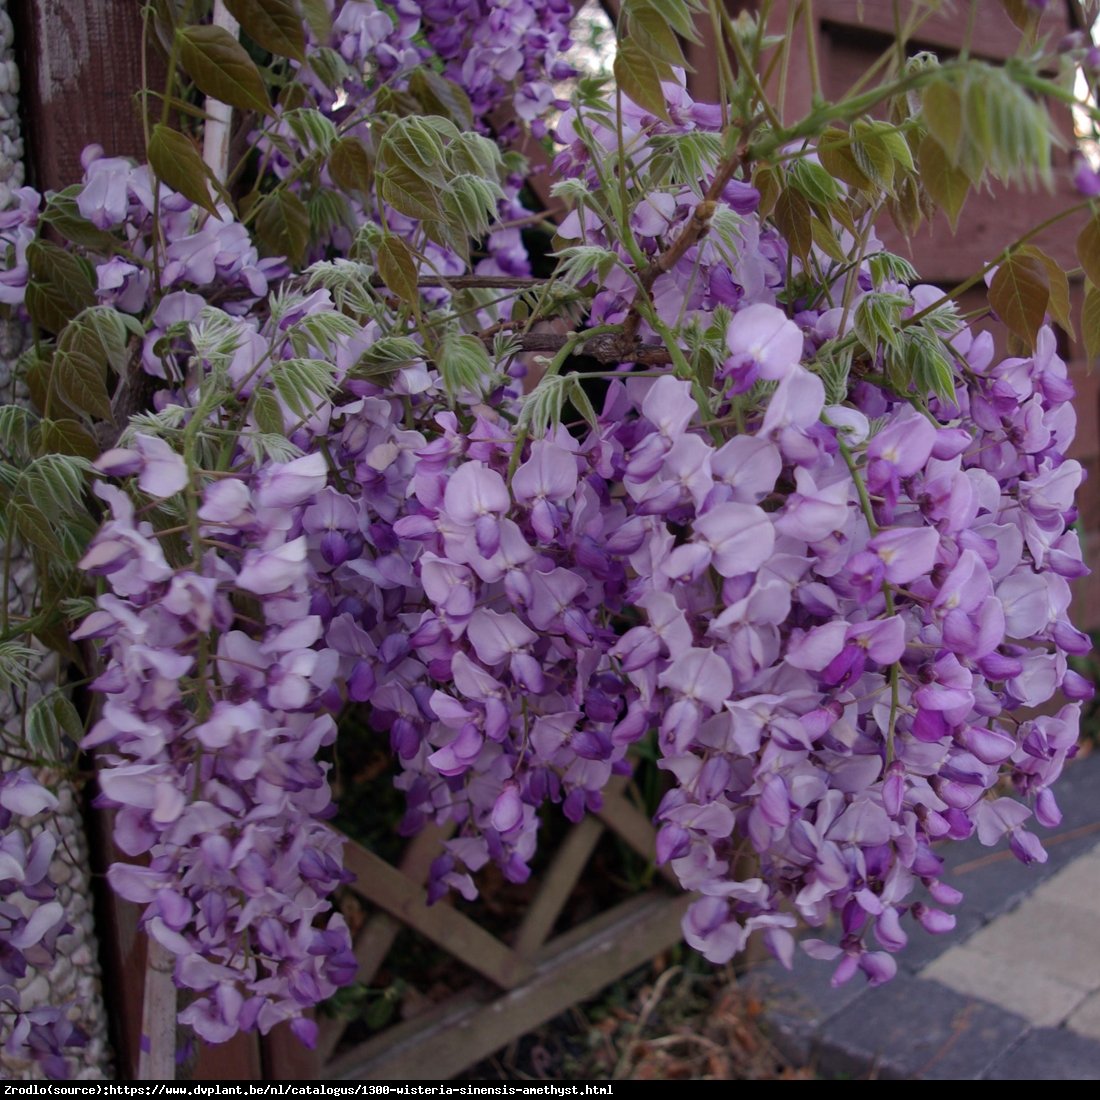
x=31, y=920
x=799, y=526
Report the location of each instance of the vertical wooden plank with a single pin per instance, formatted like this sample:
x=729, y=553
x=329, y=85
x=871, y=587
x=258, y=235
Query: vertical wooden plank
x=80, y=62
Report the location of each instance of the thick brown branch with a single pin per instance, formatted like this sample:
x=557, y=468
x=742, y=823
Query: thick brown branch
x=467, y=282
x=607, y=348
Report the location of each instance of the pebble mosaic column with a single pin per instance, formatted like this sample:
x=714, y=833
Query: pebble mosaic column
x=74, y=977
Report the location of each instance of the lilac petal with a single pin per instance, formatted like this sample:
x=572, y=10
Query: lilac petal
x=497, y=636
x=475, y=490
x=763, y=335
x=906, y=552
x=163, y=472
x=549, y=474
x=740, y=536
x=699, y=674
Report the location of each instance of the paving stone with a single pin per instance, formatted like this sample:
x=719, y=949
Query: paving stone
x=1049, y=1054
x=1021, y=987
x=915, y=1028
x=798, y=1002
x=1061, y=940
x=1077, y=885
x=1086, y=1020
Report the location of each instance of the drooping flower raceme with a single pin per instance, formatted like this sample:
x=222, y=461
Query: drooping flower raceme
x=829, y=603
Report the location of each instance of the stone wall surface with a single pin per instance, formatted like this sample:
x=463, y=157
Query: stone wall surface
x=73, y=978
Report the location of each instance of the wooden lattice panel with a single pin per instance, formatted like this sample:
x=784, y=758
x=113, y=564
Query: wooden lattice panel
x=523, y=978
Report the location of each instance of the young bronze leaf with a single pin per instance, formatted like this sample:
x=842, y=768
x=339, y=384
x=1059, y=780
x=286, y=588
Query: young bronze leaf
x=397, y=267
x=792, y=216
x=835, y=153
x=440, y=96
x=408, y=194
x=1090, y=322
x=59, y=287
x=655, y=36
x=350, y=165
x=283, y=224
x=64, y=215
x=1088, y=250
x=66, y=437
x=1020, y=293
x=273, y=24
x=178, y=164
x=947, y=185
x=1058, y=306
x=639, y=76
x=941, y=107
x=317, y=16
x=221, y=68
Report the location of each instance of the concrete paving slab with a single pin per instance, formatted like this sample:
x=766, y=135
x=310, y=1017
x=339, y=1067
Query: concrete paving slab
x=1086, y=1020
x=1021, y=986
x=1062, y=941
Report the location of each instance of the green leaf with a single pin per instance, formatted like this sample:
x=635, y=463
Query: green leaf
x=385, y=355
x=1058, y=284
x=350, y=165
x=49, y=720
x=416, y=145
x=1020, y=293
x=464, y=364
x=273, y=24
x=1088, y=249
x=409, y=194
x=312, y=129
x=60, y=286
x=17, y=426
x=329, y=67
x=266, y=411
x=18, y=663
x=947, y=185
x=640, y=77
x=282, y=224
x=543, y=406
x=941, y=106
x=178, y=164
x=875, y=155
x=303, y=384
x=877, y=319
x=397, y=268
x=1090, y=322
x=888, y=266
x=222, y=69
x=440, y=96
x=792, y=217
x=814, y=182
x=475, y=155
x=582, y=403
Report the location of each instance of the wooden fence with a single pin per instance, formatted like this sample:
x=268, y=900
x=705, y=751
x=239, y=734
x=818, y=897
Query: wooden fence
x=81, y=67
